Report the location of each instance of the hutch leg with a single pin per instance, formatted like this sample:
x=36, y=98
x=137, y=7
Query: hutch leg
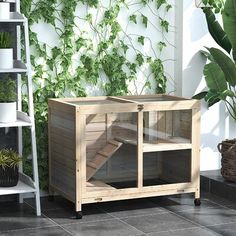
x=80, y=151
x=197, y=201
x=78, y=215
x=78, y=210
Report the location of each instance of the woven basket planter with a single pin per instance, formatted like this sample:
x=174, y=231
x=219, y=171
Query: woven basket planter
x=9, y=176
x=227, y=148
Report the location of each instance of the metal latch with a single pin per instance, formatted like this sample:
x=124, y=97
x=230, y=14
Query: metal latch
x=140, y=107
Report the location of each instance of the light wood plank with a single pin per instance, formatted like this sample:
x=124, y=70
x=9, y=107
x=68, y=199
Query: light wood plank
x=140, y=149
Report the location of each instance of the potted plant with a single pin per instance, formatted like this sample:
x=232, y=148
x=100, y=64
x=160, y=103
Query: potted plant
x=6, y=51
x=9, y=161
x=4, y=10
x=8, y=97
x=220, y=76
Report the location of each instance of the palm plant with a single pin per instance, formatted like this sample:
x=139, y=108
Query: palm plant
x=9, y=158
x=220, y=72
x=9, y=161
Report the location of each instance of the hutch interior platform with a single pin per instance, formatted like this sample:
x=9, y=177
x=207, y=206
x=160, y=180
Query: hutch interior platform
x=113, y=148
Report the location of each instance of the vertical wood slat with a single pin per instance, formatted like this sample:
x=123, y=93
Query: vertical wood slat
x=140, y=148
x=109, y=137
x=195, y=167
x=80, y=124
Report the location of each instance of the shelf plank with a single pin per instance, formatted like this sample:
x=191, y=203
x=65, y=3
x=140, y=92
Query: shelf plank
x=21, y=187
x=19, y=67
x=11, y=1
x=22, y=120
x=175, y=143
x=165, y=146
x=25, y=185
x=96, y=185
x=15, y=17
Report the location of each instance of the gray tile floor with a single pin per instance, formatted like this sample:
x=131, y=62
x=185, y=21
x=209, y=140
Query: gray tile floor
x=160, y=216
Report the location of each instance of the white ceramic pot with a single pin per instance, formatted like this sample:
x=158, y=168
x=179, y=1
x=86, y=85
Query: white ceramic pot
x=4, y=10
x=6, y=58
x=8, y=112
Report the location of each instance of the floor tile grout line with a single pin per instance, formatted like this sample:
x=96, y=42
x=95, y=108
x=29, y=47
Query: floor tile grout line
x=166, y=231
x=212, y=200
x=174, y=230
x=25, y=229
x=77, y=221
x=147, y=214
x=228, y=223
x=182, y=217
x=115, y=217
x=56, y=224
x=50, y=209
x=223, y=206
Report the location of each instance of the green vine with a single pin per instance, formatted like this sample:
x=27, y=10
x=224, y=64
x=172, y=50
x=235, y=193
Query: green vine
x=93, y=49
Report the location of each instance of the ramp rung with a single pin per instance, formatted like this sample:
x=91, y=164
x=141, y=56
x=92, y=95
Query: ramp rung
x=105, y=154
x=92, y=165
x=114, y=142
x=101, y=157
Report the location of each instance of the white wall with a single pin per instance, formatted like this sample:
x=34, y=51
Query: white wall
x=214, y=121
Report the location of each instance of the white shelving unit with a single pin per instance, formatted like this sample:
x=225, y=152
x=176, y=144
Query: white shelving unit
x=18, y=67
x=25, y=184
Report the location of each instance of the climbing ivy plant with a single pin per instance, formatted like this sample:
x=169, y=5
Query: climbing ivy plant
x=94, y=49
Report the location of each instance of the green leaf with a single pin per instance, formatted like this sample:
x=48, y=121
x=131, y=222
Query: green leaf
x=80, y=42
x=144, y=20
x=133, y=18
x=160, y=3
x=161, y=45
x=164, y=24
x=212, y=98
x=200, y=96
x=124, y=46
x=229, y=21
x=216, y=30
x=227, y=93
x=207, y=55
x=141, y=39
x=215, y=78
x=168, y=7
x=226, y=64
x=89, y=18
x=139, y=59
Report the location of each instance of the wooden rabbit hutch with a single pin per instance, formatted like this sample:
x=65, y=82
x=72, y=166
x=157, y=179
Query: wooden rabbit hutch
x=112, y=148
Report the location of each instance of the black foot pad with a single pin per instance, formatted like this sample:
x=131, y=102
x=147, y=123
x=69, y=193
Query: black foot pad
x=197, y=202
x=78, y=215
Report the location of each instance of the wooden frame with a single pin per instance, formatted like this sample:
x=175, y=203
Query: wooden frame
x=80, y=127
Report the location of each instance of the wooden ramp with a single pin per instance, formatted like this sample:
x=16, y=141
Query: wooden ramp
x=101, y=158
